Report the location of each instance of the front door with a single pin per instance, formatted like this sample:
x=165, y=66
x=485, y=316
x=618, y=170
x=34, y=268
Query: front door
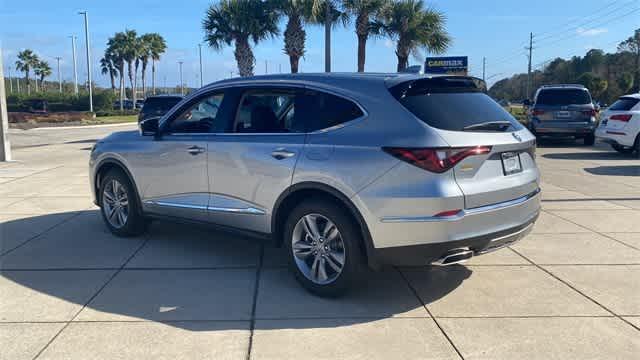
x=250, y=166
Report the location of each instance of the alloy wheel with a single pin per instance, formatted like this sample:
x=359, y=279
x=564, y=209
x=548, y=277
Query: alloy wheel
x=318, y=249
x=115, y=204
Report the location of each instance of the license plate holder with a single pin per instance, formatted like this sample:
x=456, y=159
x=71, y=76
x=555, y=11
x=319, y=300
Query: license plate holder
x=563, y=114
x=511, y=163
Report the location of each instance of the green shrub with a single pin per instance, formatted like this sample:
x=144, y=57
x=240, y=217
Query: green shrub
x=102, y=100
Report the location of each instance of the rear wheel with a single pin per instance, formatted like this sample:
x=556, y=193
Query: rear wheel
x=119, y=205
x=589, y=140
x=323, y=246
x=621, y=149
x=637, y=147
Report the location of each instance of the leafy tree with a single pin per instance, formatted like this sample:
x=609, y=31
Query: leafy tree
x=107, y=66
x=592, y=82
x=237, y=22
x=414, y=28
x=364, y=12
x=42, y=70
x=117, y=47
x=27, y=60
x=297, y=12
x=157, y=47
x=625, y=82
x=632, y=45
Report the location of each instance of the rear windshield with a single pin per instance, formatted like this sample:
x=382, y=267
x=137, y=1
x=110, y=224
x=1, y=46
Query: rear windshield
x=624, y=104
x=563, y=97
x=163, y=104
x=455, y=108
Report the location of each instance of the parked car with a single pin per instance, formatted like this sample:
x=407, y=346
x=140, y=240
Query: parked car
x=158, y=105
x=563, y=111
x=620, y=125
x=139, y=103
x=343, y=171
x=126, y=104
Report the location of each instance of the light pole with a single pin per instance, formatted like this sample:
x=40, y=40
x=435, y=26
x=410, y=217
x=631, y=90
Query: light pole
x=327, y=37
x=75, y=66
x=200, y=51
x=59, y=75
x=181, y=83
x=10, y=81
x=5, y=147
x=86, y=41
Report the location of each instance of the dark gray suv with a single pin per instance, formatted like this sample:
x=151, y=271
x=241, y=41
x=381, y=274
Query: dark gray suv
x=563, y=111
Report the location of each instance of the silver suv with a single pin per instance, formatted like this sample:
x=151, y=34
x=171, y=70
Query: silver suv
x=563, y=111
x=344, y=171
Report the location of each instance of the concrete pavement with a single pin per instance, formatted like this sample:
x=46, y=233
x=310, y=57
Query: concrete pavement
x=71, y=290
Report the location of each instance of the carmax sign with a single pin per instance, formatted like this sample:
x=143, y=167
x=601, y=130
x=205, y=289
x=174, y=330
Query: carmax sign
x=455, y=65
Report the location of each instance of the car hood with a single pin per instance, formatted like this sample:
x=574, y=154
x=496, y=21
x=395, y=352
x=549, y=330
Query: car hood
x=122, y=136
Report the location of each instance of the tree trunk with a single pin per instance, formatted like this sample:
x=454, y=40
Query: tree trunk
x=113, y=81
x=26, y=79
x=244, y=57
x=135, y=83
x=131, y=83
x=153, y=76
x=362, y=31
x=327, y=37
x=144, y=71
x=294, y=40
x=402, y=53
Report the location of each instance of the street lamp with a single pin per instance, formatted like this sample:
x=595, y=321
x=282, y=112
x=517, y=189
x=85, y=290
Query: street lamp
x=86, y=38
x=75, y=66
x=181, y=83
x=200, y=51
x=59, y=75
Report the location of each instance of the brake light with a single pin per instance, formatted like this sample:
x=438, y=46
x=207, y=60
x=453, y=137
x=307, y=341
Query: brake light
x=625, y=117
x=437, y=160
x=448, y=213
x=590, y=113
x=537, y=112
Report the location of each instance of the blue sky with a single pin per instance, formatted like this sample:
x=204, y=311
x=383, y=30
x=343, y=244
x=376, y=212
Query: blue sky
x=496, y=29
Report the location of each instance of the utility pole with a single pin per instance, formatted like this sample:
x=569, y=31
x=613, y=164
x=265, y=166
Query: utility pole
x=75, y=66
x=327, y=37
x=10, y=81
x=181, y=83
x=59, y=75
x=5, y=147
x=86, y=41
x=484, y=69
x=200, y=50
x=530, y=48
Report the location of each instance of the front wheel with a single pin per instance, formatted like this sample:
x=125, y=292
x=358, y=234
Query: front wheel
x=323, y=246
x=119, y=205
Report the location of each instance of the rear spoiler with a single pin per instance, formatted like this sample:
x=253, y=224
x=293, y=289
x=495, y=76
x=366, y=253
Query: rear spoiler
x=439, y=84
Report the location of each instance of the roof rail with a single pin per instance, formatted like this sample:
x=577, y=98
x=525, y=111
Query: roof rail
x=562, y=85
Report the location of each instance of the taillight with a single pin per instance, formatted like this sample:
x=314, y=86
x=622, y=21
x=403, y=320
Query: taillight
x=437, y=160
x=537, y=112
x=590, y=113
x=621, y=117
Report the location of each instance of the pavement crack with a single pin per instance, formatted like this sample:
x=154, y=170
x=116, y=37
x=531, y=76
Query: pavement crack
x=255, y=301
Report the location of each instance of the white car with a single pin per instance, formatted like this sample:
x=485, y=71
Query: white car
x=620, y=125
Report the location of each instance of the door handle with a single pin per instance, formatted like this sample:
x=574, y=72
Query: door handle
x=195, y=150
x=281, y=154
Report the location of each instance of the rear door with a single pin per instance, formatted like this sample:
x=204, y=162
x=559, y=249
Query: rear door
x=563, y=105
x=464, y=116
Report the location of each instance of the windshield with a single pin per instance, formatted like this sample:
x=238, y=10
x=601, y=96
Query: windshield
x=158, y=104
x=563, y=97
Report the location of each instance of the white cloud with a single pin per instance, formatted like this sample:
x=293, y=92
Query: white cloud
x=591, y=32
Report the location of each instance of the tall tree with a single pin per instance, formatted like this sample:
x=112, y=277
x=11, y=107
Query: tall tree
x=298, y=12
x=632, y=45
x=118, y=48
x=27, y=60
x=364, y=12
x=131, y=49
x=107, y=66
x=414, y=28
x=237, y=22
x=42, y=70
x=157, y=47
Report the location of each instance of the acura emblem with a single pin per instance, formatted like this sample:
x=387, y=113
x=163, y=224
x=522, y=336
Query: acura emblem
x=517, y=137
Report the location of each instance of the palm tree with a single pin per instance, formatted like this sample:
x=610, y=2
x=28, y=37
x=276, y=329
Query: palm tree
x=238, y=21
x=157, y=47
x=117, y=46
x=42, y=70
x=107, y=66
x=146, y=53
x=327, y=13
x=364, y=11
x=298, y=12
x=414, y=28
x=27, y=60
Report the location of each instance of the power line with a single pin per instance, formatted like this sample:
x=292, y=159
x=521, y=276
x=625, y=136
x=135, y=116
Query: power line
x=595, y=14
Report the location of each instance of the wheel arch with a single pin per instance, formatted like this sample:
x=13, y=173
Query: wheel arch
x=107, y=165
x=304, y=190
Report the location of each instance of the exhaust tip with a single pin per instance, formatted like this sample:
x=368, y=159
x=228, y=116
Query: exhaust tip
x=455, y=256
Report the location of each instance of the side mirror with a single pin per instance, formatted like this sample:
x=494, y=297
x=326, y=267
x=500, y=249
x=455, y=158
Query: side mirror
x=149, y=127
x=526, y=102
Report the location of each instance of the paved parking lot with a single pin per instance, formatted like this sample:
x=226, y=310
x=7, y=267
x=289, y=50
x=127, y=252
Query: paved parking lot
x=70, y=290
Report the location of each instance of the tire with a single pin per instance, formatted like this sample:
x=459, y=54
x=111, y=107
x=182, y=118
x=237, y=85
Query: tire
x=589, y=140
x=346, y=245
x=637, y=147
x=622, y=149
x=132, y=222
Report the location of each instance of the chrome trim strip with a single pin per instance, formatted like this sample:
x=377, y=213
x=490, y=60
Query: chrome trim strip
x=463, y=213
x=248, y=210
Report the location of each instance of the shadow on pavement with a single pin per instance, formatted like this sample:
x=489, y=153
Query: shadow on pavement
x=179, y=274
x=628, y=170
x=587, y=155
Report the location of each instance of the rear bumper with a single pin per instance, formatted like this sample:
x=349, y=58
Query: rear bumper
x=420, y=241
x=615, y=137
x=569, y=129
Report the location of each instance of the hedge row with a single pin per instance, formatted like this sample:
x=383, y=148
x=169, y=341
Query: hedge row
x=102, y=101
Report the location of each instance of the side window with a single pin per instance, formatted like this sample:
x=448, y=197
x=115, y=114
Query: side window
x=201, y=117
x=267, y=111
x=321, y=110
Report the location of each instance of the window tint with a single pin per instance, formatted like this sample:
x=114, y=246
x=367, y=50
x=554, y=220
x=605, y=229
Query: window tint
x=320, y=110
x=557, y=97
x=456, y=111
x=267, y=111
x=624, y=104
x=160, y=105
x=201, y=117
